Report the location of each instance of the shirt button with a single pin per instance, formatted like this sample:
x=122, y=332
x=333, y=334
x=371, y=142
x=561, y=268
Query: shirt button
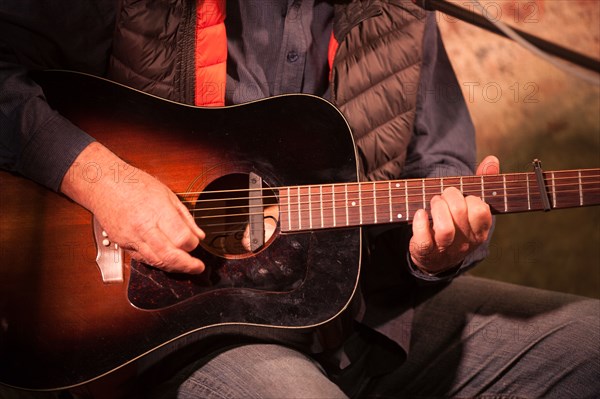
x=292, y=56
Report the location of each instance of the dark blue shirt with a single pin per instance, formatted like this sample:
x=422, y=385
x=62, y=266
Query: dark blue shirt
x=277, y=48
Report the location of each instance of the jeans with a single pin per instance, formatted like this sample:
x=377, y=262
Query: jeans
x=473, y=338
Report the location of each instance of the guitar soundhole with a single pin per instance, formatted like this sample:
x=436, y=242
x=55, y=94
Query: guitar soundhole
x=225, y=209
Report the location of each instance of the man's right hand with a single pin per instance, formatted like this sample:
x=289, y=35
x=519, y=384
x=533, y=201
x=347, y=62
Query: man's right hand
x=144, y=217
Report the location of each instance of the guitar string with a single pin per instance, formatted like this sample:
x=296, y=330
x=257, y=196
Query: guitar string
x=498, y=197
x=327, y=219
x=472, y=181
x=585, y=180
x=367, y=209
x=510, y=193
x=421, y=181
x=468, y=189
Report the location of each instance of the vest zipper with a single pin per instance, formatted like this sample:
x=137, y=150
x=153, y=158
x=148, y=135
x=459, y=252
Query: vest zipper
x=185, y=75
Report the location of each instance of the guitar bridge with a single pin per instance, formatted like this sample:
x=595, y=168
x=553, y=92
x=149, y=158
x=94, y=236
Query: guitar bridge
x=109, y=256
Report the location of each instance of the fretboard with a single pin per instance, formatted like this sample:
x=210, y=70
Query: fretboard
x=328, y=206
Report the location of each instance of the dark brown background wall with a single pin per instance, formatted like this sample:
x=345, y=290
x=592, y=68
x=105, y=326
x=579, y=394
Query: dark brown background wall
x=525, y=108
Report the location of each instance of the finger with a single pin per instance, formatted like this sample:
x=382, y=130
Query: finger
x=142, y=253
x=458, y=210
x=270, y=227
x=246, y=239
x=168, y=256
x=421, y=243
x=443, y=224
x=480, y=218
x=177, y=227
x=189, y=219
x=489, y=166
x=178, y=232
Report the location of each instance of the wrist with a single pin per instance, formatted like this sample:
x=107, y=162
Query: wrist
x=88, y=177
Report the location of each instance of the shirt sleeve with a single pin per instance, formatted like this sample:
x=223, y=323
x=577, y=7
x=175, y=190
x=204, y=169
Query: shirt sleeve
x=35, y=141
x=443, y=142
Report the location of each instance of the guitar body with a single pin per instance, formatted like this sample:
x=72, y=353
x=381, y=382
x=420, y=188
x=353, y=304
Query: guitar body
x=61, y=325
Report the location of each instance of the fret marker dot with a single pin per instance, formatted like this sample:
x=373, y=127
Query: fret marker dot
x=397, y=185
x=399, y=216
x=494, y=193
x=353, y=203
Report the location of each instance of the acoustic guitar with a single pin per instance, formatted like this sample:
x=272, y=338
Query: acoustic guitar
x=74, y=307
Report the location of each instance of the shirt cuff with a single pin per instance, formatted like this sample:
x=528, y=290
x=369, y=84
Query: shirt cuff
x=445, y=276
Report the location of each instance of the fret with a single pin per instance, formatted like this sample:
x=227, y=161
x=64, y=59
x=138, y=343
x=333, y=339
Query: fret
x=283, y=209
x=505, y=193
x=321, y=205
x=390, y=200
x=554, y=202
x=580, y=188
x=441, y=185
x=289, y=209
x=333, y=205
x=424, y=197
x=360, y=205
x=528, y=193
x=406, y=200
x=346, y=204
x=299, y=209
x=482, y=189
x=462, y=190
x=315, y=208
x=310, y=220
x=374, y=203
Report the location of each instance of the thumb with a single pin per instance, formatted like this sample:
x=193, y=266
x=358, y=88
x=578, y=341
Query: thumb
x=489, y=166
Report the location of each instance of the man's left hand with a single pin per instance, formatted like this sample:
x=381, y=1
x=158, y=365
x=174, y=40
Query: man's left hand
x=458, y=226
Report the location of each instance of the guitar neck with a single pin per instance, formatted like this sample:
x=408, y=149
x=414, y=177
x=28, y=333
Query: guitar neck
x=371, y=203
